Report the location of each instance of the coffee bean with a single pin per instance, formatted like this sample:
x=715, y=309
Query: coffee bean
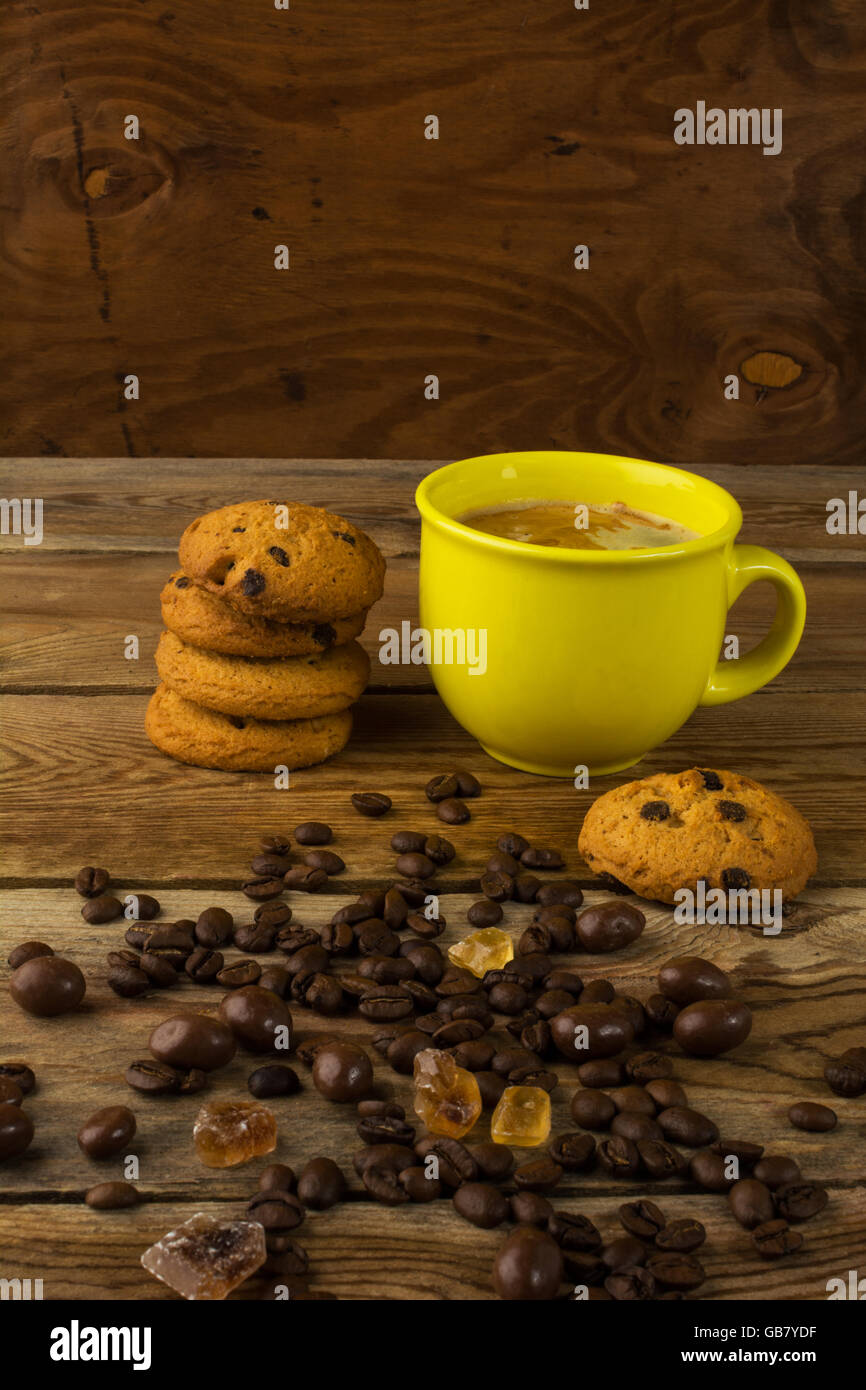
x=159, y=972
x=467, y=784
x=676, y=1271
x=305, y=880
x=498, y=887
x=526, y=888
x=321, y=1184
x=28, y=950
x=257, y=1018
x=629, y=1124
x=270, y=865
x=846, y=1075
x=683, y=1235
x=541, y=858
x=112, y=1196
x=384, y=1183
x=276, y=1210
x=711, y=1171
x=275, y=844
x=102, y=909
x=154, y=1078
x=712, y=1026
x=777, y=1170
x=456, y=1162
x=624, y=1252
x=481, y=1204
x=441, y=787
x=277, y=1176
x=238, y=973
x=687, y=1126
x=439, y=850
x=418, y=1186
x=16, y=1130
x=538, y=1175
x=751, y=1203
x=631, y=1284
x=47, y=986
x=643, y=1219
x=90, y=882
x=415, y=866
x=313, y=832
x=572, y=1231
x=592, y=1109
x=665, y=1093
x=814, y=1118
x=326, y=860
x=510, y=842
x=20, y=1075
x=192, y=1041
x=145, y=906
x=214, y=927
x=604, y=1072
x=633, y=1098
x=775, y=1239
x=743, y=1150
x=609, y=926
x=495, y=1162
x=528, y=1266
x=273, y=1080
x=371, y=803
x=107, y=1132
x=484, y=914
x=620, y=1157
x=660, y=1159
x=661, y=1012
x=531, y=1209
x=648, y=1066
x=453, y=811
x=798, y=1201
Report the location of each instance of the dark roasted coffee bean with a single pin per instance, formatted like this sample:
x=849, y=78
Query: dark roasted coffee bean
x=383, y=1183
x=313, y=832
x=814, y=1118
x=47, y=986
x=685, y=1126
x=777, y=1170
x=385, y=1003
x=686, y=979
x=276, y=1210
x=629, y=1124
x=270, y=865
x=623, y=1252
x=271, y=914
x=294, y=939
x=415, y=866
x=275, y=844
x=414, y=890
x=453, y=811
x=676, y=1271
x=440, y=850
x=28, y=950
x=712, y=1171
x=537, y=857
x=277, y=1176
x=408, y=842
x=495, y=1161
x=660, y=1159
x=512, y=843
x=846, y=1075
x=643, y=1219
x=683, y=1235
x=481, y=1204
x=112, y=1196
x=566, y=893
x=751, y=1203
x=574, y=1152
x=665, y=1093
x=500, y=863
x=375, y=939
x=257, y=937
x=145, y=906
x=531, y=1209
x=107, y=1132
x=192, y=1040
x=418, y=1185
x=712, y=1026
x=775, y=1239
x=484, y=914
x=214, y=927
x=572, y=1231
x=491, y=1086
x=441, y=787
x=661, y=1012
x=20, y=1075
x=633, y=1098
x=155, y=1078
x=16, y=1130
x=128, y=981
x=607, y=1071
x=404, y=1049
x=456, y=1163
x=102, y=909
x=371, y=803
x=631, y=1284
x=273, y=1080
x=304, y=880
x=385, y=1129
x=609, y=926
x=204, y=965
x=337, y=938
x=321, y=1184
x=798, y=1201
x=90, y=882
x=261, y=888
x=326, y=860
x=323, y=993
x=648, y=1066
x=160, y=972
x=239, y=973
x=467, y=784
x=619, y=1157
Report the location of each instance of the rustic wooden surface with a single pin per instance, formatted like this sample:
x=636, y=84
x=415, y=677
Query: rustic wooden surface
x=80, y=784
x=411, y=256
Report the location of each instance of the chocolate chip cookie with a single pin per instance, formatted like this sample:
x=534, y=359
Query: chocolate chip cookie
x=288, y=687
x=205, y=620
x=283, y=560
x=205, y=738
x=667, y=832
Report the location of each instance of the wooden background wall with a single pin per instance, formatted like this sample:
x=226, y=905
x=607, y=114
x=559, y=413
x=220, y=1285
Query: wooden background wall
x=411, y=257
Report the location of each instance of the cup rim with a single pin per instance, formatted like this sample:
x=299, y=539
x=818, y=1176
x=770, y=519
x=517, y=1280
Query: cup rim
x=711, y=541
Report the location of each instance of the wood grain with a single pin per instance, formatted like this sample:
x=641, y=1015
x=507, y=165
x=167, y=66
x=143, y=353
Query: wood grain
x=412, y=256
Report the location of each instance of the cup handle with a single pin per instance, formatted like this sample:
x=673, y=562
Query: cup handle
x=731, y=680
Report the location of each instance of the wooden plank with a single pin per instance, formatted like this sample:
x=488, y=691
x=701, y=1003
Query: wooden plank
x=112, y=504
x=82, y=778
x=412, y=257
x=62, y=633
x=806, y=988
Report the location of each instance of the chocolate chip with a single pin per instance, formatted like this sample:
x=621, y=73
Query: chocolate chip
x=239, y=528
x=181, y=583
x=252, y=583
x=732, y=810
x=712, y=780
x=735, y=878
x=277, y=553
x=344, y=536
x=655, y=810
x=324, y=635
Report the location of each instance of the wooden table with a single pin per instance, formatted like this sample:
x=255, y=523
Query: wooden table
x=81, y=784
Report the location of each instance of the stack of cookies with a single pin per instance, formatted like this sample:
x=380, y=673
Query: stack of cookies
x=259, y=666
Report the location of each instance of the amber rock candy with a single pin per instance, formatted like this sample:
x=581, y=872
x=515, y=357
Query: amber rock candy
x=228, y=1132
x=522, y=1117
x=207, y=1257
x=480, y=951
x=447, y=1097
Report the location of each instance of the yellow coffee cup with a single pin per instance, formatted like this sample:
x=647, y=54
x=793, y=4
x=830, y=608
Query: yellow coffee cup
x=588, y=658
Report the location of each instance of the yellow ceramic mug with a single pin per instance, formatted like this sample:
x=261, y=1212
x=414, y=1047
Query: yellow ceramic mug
x=593, y=657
